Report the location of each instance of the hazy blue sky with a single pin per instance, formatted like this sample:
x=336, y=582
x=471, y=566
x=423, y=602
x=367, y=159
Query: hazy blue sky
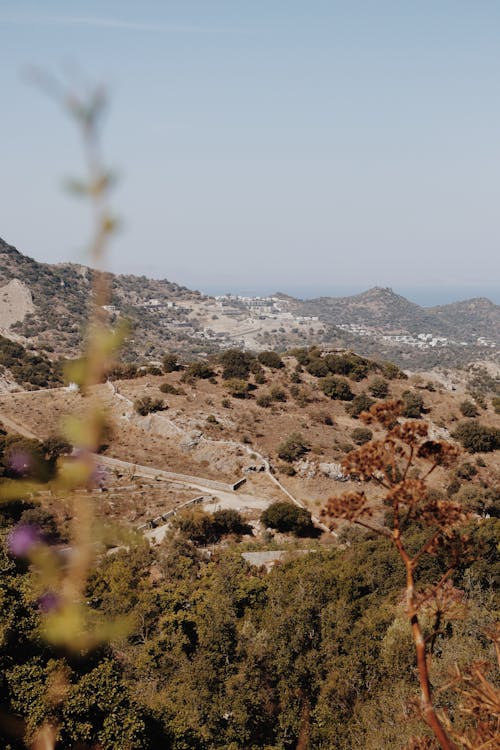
x=313, y=145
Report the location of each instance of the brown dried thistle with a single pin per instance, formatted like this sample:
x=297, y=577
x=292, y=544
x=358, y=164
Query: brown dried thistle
x=480, y=703
x=387, y=462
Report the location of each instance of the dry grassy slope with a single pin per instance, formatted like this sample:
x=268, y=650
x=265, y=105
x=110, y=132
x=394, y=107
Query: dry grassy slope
x=171, y=440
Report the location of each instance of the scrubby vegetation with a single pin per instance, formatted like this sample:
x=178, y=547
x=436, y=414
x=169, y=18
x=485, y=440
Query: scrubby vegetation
x=293, y=447
x=148, y=405
x=477, y=438
x=379, y=387
x=413, y=404
x=200, y=370
x=28, y=369
x=469, y=409
x=361, y=435
x=359, y=404
x=203, y=528
x=236, y=364
x=216, y=654
x=336, y=388
x=270, y=359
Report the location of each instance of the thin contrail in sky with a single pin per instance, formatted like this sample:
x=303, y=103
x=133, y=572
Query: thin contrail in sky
x=115, y=23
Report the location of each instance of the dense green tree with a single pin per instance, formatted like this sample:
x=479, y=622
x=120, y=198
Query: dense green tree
x=285, y=516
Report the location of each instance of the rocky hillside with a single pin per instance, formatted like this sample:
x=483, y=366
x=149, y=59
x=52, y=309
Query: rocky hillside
x=382, y=308
x=377, y=307
x=46, y=306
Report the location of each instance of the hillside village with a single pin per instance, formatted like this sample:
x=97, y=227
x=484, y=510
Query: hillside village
x=162, y=315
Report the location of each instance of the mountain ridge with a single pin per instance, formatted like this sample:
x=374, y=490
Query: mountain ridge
x=166, y=315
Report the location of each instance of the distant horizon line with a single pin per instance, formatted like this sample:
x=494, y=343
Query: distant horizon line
x=424, y=296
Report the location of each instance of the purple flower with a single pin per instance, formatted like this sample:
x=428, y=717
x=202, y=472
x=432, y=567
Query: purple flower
x=22, y=539
x=48, y=602
x=20, y=462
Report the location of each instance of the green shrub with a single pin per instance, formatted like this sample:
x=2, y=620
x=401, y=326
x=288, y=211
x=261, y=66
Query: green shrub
x=237, y=388
x=154, y=370
x=351, y=365
x=495, y=402
x=270, y=359
x=479, y=500
x=392, y=371
x=453, y=487
x=359, y=404
x=466, y=471
x=379, y=388
x=287, y=517
x=264, y=400
x=122, y=372
x=477, y=438
x=169, y=388
x=413, y=404
x=317, y=367
x=197, y=526
x=336, y=388
x=199, y=370
x=277, y=393
x=469, y=409
x=147, y=405
x=361, y=435
x=228, y=521
x=236, y=364
x=293, y=447
x=170, y=363
x=344, y=446
x=322, y=417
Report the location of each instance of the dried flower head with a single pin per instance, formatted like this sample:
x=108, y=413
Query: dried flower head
x=352, y=506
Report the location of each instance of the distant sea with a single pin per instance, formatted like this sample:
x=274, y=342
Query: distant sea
x=425, y=296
